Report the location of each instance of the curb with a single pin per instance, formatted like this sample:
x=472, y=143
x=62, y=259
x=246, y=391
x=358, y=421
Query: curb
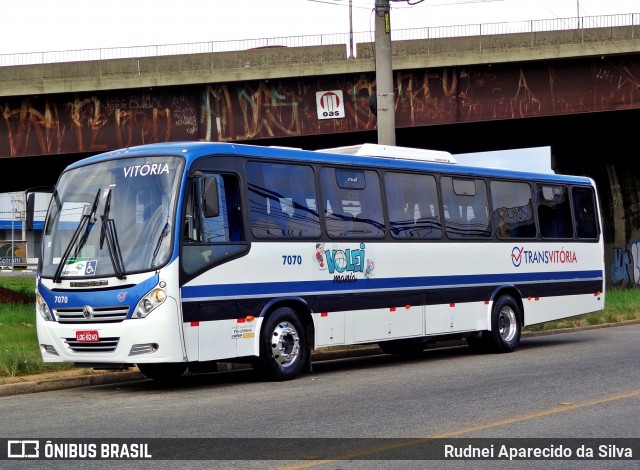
x=48, y=385
x=69, y=382
x=130, y=376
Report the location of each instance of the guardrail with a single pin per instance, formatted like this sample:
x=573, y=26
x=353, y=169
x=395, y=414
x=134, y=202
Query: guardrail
x=579, y=24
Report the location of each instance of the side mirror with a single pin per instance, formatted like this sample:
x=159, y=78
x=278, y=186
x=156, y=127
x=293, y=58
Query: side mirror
x=211, y=206
x=30, y=198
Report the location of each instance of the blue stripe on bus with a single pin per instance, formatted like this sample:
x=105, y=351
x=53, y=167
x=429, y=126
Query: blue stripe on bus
x=212, y=309
x=328, y=286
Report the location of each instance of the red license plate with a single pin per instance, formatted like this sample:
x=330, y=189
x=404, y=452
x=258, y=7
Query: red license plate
x=87, y=336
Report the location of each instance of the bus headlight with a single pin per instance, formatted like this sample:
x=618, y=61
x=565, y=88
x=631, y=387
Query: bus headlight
x=149, y=303
x=43, y=308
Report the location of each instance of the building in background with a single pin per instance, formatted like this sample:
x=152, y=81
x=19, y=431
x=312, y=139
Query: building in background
x=19, y=247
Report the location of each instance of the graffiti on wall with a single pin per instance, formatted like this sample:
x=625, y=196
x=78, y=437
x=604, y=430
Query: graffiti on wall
x=286, y=107
x=94, y=122
x=283, y=108
x=624, y=270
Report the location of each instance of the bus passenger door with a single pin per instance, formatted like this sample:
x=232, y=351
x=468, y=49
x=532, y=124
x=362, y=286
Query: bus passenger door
x=212, y=235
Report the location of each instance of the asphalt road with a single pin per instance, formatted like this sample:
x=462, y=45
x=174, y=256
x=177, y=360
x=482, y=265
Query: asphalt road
x=578, y=388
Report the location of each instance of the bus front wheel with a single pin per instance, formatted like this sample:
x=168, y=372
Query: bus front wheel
x=283, y=346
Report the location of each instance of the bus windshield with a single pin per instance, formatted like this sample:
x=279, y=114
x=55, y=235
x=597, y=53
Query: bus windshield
x=111, y=222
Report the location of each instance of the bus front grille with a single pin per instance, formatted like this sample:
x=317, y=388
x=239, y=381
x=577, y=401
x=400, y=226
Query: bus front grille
x=96, y=315
x=101, y=346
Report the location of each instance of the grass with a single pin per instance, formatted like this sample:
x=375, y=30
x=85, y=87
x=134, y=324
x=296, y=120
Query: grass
x=21, y=284
x=19, y=353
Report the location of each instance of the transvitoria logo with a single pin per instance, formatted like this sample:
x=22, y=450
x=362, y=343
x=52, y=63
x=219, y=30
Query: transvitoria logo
x=519, y=255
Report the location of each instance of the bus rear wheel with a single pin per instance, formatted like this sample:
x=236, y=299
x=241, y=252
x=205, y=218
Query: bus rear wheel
x=506, y=328
x=283, y=347
x=163, y=372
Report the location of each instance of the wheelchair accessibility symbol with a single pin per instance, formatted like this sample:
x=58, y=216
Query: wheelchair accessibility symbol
x=90, y=269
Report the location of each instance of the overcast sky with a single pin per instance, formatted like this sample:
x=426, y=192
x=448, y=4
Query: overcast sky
x=45, y=25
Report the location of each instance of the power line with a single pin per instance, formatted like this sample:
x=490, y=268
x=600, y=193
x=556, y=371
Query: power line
x=366, y=5
x=442, y=4
x=409, y=2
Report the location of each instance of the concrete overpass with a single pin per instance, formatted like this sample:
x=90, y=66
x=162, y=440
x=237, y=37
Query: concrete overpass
x=575, y=90
x=74, y=107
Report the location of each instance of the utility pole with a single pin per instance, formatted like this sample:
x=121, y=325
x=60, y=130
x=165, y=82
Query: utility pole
x=351, y=56
x=385, y=111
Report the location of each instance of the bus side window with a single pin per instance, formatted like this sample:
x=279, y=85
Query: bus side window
x=512, y=209
x=412, y=201
x=353, y=203
x=554, y=211
x=466, y=207
x=584, y=208
x=282, y=201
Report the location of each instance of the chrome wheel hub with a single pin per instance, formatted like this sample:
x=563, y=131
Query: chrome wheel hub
x=285, y=343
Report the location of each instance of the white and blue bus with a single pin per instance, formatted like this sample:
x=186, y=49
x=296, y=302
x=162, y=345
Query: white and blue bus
x=176, y=256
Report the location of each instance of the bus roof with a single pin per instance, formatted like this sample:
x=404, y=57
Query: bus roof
x=392, y=151
x=192, y=151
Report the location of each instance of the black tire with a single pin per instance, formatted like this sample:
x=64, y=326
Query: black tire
x=284, y=351
x=506, y=325
x=166, y=372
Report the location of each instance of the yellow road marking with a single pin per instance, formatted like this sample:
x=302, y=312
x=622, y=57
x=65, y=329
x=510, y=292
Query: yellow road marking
x=564, y=407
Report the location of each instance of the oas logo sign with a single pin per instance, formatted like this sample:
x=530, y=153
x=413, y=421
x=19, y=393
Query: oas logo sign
x=330, y=104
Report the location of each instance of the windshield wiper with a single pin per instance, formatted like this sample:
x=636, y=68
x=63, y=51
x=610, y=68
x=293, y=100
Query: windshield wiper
x=109, y=233
x=90, y=221
x=163, y=234
x=84, y=227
